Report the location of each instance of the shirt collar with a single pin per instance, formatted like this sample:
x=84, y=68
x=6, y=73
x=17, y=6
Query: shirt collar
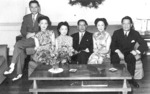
x=126, y=32
x=35, y=16
x=81, y=33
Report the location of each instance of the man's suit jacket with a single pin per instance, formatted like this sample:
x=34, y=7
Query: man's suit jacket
x=86, y=42
x=27, y=25
x=126, y=44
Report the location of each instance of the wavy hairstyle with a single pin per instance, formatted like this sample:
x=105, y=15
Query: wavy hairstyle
x=61, y=24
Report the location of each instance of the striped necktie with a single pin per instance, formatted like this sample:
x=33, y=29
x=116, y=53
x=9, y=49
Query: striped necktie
x=126, y=34
x=33, y=19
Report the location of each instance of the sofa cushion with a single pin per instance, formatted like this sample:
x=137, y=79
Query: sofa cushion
x=2, y=59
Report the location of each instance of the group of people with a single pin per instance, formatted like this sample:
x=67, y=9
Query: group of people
x=90, y=48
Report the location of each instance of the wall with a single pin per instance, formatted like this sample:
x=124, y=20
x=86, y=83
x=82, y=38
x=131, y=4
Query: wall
x=12, y=12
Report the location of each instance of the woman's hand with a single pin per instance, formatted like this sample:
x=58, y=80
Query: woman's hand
x=37, y=48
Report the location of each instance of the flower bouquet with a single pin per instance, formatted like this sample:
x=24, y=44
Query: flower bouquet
x=46, y=54
x=64, y=53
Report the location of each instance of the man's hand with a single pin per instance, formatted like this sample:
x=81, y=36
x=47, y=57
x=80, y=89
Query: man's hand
x=29, y=35
x=133, y=52
x=87, y=50
x=120, y=54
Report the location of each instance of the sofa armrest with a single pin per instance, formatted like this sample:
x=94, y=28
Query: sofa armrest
x=3, y=51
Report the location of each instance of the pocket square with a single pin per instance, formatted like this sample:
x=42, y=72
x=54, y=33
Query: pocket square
x=132, y=41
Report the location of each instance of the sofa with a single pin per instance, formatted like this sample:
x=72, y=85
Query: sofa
x=3, y=62
x=73, y=29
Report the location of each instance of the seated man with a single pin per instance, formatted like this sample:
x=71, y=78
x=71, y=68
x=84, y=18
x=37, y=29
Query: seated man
x=28, y=29
x=82, y=43
x=122, y=46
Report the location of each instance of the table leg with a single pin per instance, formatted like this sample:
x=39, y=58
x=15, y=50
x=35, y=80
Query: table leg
x=124, y=92
x=124, y=83
x=35, y=86
x=124, y=86
x=35, y=92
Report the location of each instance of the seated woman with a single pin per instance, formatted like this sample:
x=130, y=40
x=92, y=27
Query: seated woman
x=42, y=39
x=101, y=42
x=63, y=39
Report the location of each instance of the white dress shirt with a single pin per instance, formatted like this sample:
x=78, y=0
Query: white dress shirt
x=81, y=34
x=126, y=33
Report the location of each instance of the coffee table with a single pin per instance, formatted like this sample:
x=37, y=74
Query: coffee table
x=74, y=81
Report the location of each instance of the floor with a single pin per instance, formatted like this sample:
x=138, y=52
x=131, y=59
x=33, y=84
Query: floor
x=22, y=86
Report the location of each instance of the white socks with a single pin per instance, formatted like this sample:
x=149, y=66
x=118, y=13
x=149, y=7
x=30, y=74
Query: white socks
x=18, y=77
x=12, y=66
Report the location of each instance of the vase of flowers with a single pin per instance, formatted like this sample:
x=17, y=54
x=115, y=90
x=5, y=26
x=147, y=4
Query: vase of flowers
x=53, y=57
x=54, y=62
x=64, y=53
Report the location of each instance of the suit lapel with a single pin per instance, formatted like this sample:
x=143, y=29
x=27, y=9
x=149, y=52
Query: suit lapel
x=122, y=33
x=38, y=16
x=78, y=37
x=30, y=20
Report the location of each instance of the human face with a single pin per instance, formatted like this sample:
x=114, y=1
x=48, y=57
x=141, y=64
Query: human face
x=43, y=25
x=126, y=24
x=34, y=8
x=82, y=26
x=100, y=26
x=63, y=30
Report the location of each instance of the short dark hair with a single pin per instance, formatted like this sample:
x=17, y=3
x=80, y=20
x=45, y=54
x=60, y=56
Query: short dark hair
x=61, y=24
x=103, y=20
x=81, y=21
x=44, y=18
x=34, y=1
x=127, y=17
x=130, y=19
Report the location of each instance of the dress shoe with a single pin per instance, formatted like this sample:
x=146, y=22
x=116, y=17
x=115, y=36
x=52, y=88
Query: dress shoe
x=17, y=77
x=9, y=71
x=134, y=83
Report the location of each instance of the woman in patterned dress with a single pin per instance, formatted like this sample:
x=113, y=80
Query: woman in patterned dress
x=44, y=40
x=63, y=38
x=101, y=42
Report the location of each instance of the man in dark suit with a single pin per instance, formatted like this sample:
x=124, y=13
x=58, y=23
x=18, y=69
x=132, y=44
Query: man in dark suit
x=122, y=46
x=82, y=43
x=28, y=29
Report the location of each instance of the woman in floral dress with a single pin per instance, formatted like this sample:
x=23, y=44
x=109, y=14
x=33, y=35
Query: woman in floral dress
x=44, y=40
x=101, y=42
x=64, y=42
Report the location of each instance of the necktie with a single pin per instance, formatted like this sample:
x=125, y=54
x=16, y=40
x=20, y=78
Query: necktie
x=81, y=36
x=126, y=34
x=33, y=19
